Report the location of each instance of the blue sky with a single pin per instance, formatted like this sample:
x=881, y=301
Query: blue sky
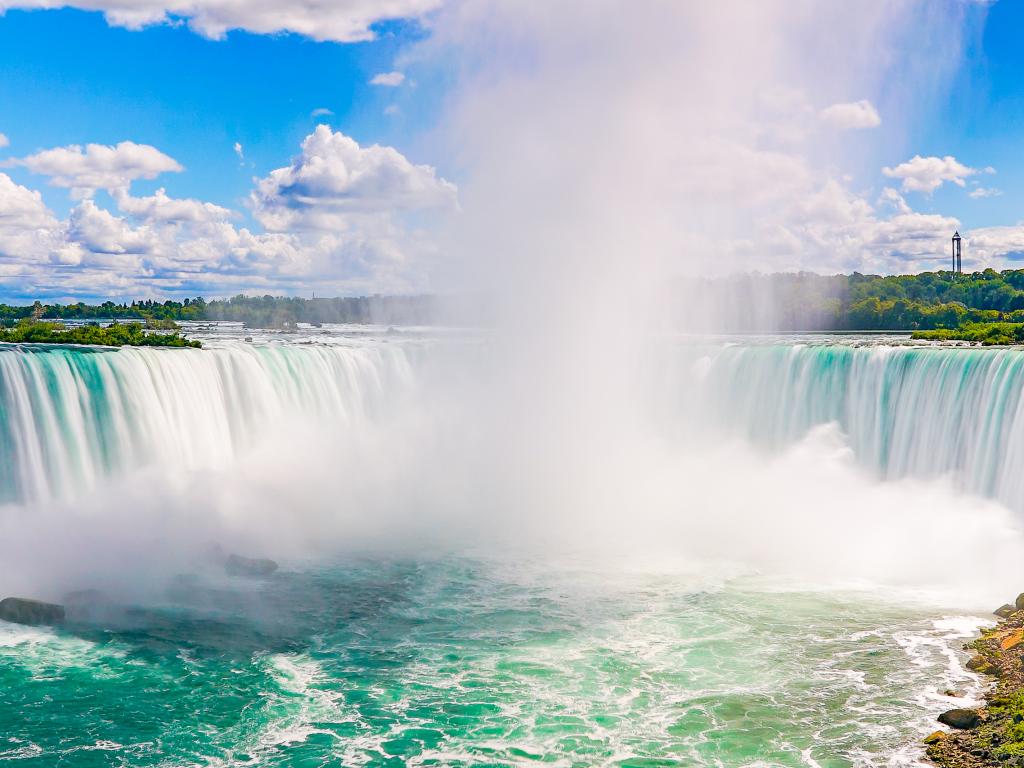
x=209, y=174
x=69, y=77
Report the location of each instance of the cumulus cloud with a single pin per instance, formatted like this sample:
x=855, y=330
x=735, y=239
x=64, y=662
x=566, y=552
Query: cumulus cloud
x=20, y=207
x=334, y=178
x=856, y=114
x=392, y=79
x=999, y=246
x=334, y=219
x=26, y=224
x=99, y=166
x=926, y=174
x=346, y=22
x=100, y=232
x=161, y=208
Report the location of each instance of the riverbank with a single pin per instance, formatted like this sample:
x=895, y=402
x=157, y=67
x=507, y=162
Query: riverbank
x=115, y=335
x=986, y=334
x=993, y=734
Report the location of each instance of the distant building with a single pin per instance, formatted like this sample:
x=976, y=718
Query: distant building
x=958, y=267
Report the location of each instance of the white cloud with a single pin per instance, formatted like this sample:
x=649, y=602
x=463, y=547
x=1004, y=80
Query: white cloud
x=856, y=114
x=159, y=208
x=20, y=207
x=239, y=151
x=99, y=166
x=998, y=246
x=334, y=178
x=392, y=79
x=348, y=21
x=926, y=174
x=100, y=232
x=26, y=224
x=321, y=112
x=4, y=141
x=339, y=220
x=979, y=193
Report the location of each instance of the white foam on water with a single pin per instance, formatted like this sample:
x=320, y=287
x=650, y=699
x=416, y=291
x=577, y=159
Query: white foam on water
x=47, y=653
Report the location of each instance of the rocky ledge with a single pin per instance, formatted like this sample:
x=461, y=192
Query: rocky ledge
x=992, y=735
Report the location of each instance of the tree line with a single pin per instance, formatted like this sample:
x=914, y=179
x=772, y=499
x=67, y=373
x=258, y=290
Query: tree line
x=930, y=300
x=254, y=311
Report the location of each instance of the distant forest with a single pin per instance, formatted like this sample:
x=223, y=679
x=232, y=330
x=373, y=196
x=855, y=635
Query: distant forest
x=782, y=302
x=810, y=302
x=253, y=311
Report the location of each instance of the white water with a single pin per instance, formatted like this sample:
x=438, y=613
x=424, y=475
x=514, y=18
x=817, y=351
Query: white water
x=73, y=417
x=907, y=412
x=880, y=459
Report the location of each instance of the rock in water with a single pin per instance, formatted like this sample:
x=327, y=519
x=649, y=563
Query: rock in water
x=23, y=611
x=960, y=718
x=1005, y=611
x=236, y=565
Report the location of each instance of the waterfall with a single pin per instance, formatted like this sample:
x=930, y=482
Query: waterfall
x=71, y=416
x=907, y=411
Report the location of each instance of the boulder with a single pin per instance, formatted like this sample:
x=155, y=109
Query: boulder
x=1012, y=640
x=954, y=693
x=20, y=610
x=983, y=665
x=1019, y=602
x=963, y=719
x=1005, y=611
x=935, y=737
x=236, y=565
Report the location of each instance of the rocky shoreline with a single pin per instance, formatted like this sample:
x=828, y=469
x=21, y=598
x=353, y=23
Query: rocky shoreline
x=993, y=734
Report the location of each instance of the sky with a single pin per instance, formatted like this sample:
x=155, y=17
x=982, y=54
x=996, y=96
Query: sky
x=170, y=148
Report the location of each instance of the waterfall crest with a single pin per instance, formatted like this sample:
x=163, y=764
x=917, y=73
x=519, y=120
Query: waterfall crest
x=907, y=411
x=71, y=416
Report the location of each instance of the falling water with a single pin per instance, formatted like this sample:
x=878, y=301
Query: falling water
x=70, y=417
x=907, y=411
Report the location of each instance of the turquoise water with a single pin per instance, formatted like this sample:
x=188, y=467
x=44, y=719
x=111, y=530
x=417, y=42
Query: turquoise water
x=458, y=662
x=907, y=411
x=454, y=661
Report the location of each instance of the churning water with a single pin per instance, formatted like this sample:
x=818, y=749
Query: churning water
x=495, y=653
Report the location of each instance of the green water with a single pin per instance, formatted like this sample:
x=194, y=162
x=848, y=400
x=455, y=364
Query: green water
x=460, y=663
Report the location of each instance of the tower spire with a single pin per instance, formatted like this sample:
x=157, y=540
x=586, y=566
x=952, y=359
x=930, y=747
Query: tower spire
x=958, y=266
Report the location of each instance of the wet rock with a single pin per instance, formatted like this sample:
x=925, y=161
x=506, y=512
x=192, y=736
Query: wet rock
x=963, y=719
x=1012, y=640
x=236, y=565
x=20, y=610
x=983, y=665
x=1004, y=611
x=936, y=737
x=956, y=694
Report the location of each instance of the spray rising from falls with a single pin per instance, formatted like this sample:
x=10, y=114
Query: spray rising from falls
x=907, y=412
x=72, y=418
x=132, y=461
